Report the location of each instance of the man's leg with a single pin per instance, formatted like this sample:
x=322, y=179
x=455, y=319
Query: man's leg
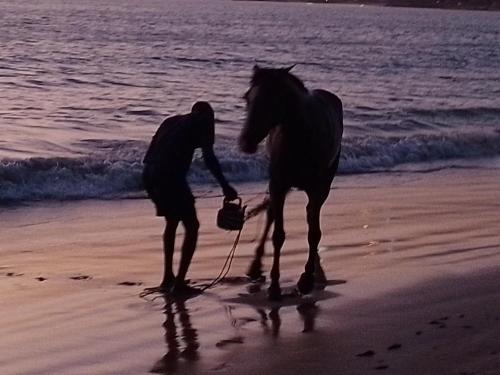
x=168, y=252
x=191, y=225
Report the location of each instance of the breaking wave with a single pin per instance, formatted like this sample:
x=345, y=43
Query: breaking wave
x=113, y=170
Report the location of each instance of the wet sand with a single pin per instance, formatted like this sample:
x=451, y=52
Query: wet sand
x=412, y=259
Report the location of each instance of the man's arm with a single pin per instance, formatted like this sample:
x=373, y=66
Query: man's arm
x=213, y=166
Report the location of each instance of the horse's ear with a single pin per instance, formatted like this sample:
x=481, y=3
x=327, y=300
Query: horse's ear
x=289, y=68
x=256, y=68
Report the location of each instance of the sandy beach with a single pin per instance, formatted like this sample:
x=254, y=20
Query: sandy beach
x=412, y=261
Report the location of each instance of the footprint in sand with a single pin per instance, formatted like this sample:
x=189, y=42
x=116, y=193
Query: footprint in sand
x=437, y=323
x=368, y=353
x=81, y=277
x=234, y=340
x=40, y=278
x=13, y=274
x=130, y=283
x=394, y=347
x=442, y=320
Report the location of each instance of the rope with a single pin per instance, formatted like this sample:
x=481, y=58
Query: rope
x=229, y=259
x=257, y=209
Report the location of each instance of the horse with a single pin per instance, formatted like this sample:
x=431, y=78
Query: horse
x=304, y=132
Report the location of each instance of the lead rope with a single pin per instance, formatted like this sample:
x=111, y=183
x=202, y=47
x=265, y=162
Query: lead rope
x=229, y=259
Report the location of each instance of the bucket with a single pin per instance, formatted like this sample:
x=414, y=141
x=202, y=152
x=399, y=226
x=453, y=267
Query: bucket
x=232, y=215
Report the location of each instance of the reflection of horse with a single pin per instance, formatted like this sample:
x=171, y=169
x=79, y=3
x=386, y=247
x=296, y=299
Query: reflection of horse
x=168, y=364
x=274, y=317
x=305, y=130
x=308, y=312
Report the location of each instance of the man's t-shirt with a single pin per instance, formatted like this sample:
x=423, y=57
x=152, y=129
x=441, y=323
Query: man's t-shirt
x=173, y=145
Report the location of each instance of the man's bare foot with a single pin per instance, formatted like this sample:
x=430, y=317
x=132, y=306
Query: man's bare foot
x=167, y=284
x=183, y=290
x=163, y=288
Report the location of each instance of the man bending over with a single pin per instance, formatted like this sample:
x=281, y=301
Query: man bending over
x=166, y=166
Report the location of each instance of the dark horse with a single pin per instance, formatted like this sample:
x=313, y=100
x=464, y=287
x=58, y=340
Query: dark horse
x=305, y=131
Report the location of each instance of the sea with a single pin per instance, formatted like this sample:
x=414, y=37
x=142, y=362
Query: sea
x=84, y=84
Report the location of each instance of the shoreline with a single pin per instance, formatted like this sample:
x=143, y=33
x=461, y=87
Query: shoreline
x=492, y=5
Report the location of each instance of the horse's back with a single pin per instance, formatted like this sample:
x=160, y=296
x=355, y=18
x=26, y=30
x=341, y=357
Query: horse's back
x=333, y=100
x=328, y=118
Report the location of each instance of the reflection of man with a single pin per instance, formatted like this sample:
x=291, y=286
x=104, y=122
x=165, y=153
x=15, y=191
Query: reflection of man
x=168, y=364
x=167, y=163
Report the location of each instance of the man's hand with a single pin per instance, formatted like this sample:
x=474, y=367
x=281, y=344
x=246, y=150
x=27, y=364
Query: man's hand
x=214, y=167
x=229, y=192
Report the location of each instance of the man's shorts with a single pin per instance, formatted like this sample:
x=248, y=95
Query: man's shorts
x=170, y=194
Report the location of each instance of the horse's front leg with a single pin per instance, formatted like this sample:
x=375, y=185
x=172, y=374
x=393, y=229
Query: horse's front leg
x=306, y=281
x=255, y=270
x=277, y=203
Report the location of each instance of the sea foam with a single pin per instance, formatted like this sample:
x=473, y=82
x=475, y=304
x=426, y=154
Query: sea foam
x=114, y=169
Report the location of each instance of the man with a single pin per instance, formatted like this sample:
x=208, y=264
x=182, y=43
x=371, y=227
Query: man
x=167, y=163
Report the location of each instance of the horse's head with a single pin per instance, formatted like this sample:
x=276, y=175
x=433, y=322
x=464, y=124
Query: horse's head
x=265, y=106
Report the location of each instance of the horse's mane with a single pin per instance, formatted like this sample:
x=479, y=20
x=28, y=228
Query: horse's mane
x=274, y=75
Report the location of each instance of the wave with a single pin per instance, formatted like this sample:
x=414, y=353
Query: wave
x=465, y=112
x=66, y=179
x=114, y=168
x=361, y=155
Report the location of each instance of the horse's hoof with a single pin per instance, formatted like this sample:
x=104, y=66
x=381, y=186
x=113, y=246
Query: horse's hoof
x=255, y=272
x=319, y=274
x=274, y=293
x=320, y=280
x=306, y=283
x=320, y=277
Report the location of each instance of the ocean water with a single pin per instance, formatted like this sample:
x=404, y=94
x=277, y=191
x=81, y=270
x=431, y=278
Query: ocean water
x=84, y=85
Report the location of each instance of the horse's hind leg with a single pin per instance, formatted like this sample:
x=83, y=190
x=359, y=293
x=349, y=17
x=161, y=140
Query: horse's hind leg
x=277, y=203
x=255, y=269
x=313, y=267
